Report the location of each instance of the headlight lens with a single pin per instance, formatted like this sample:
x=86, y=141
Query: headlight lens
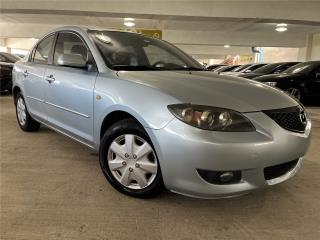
x=211, y=118
x=272, y=84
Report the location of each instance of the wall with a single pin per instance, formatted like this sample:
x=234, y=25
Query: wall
x=315, y=52
x=312, y=49
x=20, y=43
x=273, y=54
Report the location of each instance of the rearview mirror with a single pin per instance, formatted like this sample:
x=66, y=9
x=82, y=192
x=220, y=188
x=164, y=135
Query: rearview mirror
x=72, y=60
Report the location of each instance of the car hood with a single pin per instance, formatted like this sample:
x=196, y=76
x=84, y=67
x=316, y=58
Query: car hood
x=207, y=88
x=276, y=77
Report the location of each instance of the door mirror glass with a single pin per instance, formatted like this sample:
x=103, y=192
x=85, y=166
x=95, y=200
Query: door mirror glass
x=71, y=60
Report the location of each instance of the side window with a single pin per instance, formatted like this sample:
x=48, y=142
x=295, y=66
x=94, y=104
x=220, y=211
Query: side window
x=70, y=51
x=282, y=68
x=317, y=72
x=43, y=50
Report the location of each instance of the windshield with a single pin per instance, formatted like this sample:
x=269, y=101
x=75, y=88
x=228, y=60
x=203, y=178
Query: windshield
x=267, y=68
x=300, y=68
x=134, y=52
x=238, y=69
x=7, y=57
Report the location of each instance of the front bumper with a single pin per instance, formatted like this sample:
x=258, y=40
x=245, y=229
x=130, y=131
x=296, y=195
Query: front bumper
x=182, y=149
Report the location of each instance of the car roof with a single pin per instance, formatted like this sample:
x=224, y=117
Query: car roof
x=86, y=29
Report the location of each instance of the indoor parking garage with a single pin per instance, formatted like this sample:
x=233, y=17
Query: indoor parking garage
x=153, y=119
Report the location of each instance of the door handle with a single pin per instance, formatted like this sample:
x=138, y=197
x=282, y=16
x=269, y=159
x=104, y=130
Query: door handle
x=50, y=79
x=25, y=73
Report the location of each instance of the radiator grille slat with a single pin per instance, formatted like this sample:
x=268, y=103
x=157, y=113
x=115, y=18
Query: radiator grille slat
x=293, y=119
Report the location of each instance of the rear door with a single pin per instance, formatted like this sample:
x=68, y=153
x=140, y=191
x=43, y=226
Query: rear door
x=69, y=99
x=33, y=77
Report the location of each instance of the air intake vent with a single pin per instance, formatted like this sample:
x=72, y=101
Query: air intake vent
x=293, y=119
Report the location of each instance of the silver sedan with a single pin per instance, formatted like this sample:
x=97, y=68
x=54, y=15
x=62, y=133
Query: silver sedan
x=156, y=117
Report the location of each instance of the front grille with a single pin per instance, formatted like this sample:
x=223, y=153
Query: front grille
x=279, y=170
x=293, y=119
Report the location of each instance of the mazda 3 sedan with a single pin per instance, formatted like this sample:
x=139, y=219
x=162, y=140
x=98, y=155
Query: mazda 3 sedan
x=157, y=119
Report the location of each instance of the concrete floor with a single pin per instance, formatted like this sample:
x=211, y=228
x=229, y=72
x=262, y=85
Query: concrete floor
x=52, y=188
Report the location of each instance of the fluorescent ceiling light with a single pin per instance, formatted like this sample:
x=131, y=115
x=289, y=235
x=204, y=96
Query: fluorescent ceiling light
x=282, y=27
x=129, y=22
x=226, y=46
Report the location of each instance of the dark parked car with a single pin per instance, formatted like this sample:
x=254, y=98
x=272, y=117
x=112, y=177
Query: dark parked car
x=301, y=81
x=227, y=68
x=6, y=64
x=215, y=66
x=272, y=68
x=247, y=68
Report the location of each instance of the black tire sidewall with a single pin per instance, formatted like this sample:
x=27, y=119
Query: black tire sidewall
x=301, y=91
x=23, y=127
x=30, y=124
x=128, y=126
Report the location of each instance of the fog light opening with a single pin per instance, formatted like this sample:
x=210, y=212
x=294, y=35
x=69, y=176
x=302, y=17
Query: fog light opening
x=220, y=177
x=226, y=177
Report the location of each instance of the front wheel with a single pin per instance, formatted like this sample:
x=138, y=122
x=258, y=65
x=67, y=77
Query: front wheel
x=296, y=93
x=25, y=121
x=129, y=161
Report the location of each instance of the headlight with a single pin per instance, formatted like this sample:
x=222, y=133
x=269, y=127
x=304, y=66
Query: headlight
x=272, y=84
x=211, y=118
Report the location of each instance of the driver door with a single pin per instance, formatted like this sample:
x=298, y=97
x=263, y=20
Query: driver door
x=69, y=99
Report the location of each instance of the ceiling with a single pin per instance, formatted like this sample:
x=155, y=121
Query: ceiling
x=189, y=24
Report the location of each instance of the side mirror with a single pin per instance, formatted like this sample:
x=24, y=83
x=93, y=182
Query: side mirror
x=72, y=60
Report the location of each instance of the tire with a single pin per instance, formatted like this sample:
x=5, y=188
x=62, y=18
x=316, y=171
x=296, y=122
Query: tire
x=25, y=121
x=125, y=171
x=297, y=93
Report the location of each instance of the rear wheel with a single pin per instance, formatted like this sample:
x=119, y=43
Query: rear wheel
x=128, y=160
x=25, y=121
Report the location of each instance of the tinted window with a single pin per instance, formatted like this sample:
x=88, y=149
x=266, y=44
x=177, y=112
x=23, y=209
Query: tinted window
x=43, y=50
x=3, y=58
x=69, y=44
x=9, y=58
x=129, y=51
x=253, y=67
x=240, y=68
x=306, y=68
x=267, y=68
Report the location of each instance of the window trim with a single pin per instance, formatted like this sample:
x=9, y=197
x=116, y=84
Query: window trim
x=33, y=52
x=95, y=69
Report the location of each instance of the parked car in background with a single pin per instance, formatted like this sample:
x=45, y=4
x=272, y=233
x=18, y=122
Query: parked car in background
x=156, y=117
x=244, y=69
x=225, y=68
x=302, y=81
x=214, y=66
x=7, y=61
x=272, y=68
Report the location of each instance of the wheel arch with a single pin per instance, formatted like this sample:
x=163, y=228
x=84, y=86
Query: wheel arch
x=113, y=117
x=15, y=91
